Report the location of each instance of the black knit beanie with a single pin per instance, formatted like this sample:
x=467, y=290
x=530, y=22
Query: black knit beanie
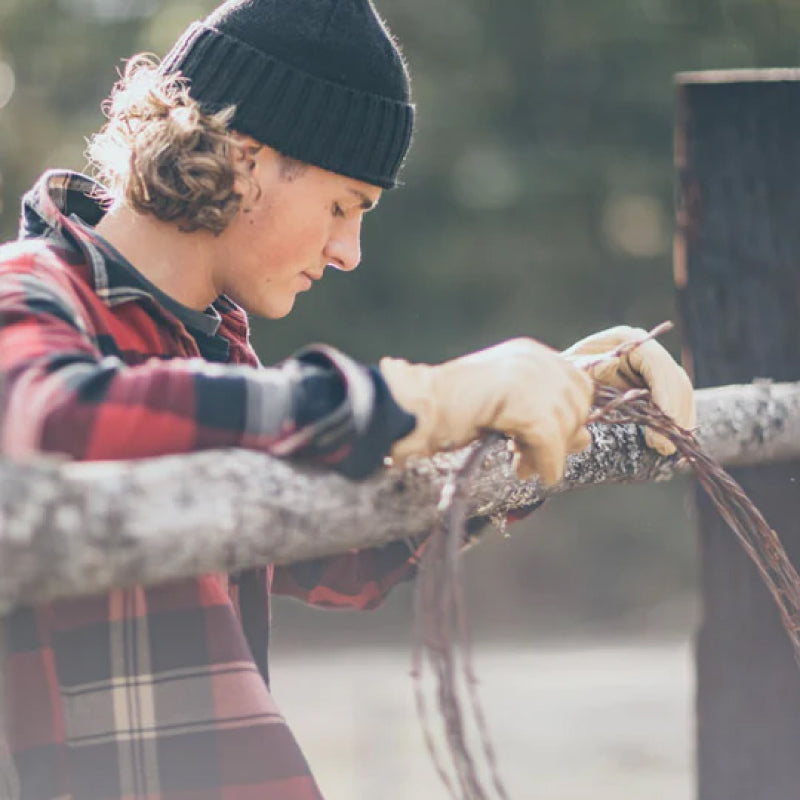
x=318, y=80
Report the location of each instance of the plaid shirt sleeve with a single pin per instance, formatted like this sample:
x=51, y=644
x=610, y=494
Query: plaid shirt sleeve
x=63, y=395
x=360, y=579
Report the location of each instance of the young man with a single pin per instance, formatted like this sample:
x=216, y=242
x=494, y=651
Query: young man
x=234, y=174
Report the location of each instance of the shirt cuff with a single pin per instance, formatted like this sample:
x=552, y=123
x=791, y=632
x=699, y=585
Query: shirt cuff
x=345, y=415
x=387, y=424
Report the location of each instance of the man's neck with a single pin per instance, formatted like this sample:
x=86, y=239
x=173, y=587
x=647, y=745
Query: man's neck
x=180, y=264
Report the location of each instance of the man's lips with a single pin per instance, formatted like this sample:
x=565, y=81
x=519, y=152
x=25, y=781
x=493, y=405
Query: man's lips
x=309, y=278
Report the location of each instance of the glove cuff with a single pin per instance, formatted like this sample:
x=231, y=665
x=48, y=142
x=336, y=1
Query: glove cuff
x=412, y=387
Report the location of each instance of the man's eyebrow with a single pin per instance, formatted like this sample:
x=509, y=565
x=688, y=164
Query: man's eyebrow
x=367, y=204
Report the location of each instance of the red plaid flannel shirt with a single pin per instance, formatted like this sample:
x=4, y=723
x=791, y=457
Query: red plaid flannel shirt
x=152, y=693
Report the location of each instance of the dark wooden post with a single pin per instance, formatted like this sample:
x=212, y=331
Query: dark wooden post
x=737, y=268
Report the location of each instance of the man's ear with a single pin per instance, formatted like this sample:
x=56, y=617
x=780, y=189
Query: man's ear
x=243, y=154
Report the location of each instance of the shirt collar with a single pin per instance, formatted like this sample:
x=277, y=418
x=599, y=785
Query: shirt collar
x=206, y=322
x=65, y=206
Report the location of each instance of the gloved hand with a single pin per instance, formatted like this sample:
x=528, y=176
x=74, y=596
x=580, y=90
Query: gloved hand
x=520, y=387
x=647, y=366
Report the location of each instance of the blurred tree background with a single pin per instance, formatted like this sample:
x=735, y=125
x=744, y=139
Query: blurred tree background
x=538, y=201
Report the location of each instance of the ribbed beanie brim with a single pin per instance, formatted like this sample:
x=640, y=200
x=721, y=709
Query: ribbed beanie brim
x=338, y=127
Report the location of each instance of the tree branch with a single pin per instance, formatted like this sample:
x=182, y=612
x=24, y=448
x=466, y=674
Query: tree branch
x=76, y=528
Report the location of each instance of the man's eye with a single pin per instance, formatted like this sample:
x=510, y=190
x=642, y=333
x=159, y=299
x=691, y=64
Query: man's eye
x=338, y=211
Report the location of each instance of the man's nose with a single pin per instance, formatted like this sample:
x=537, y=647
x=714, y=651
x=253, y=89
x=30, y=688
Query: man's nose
x=344, y=247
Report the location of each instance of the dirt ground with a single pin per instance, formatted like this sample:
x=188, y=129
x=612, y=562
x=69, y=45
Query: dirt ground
x=570, y=722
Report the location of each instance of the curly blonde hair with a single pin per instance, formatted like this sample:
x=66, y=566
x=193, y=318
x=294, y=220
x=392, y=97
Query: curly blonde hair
x=162, y=155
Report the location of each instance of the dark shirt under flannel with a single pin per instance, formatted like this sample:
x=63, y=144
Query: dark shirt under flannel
x=153, y=693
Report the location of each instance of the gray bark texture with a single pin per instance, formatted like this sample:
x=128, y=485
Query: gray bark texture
x=75, y=528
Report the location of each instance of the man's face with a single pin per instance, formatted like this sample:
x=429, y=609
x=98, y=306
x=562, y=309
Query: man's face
x=299, y=222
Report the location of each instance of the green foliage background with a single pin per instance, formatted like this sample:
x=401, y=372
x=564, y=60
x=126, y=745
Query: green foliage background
x=538, y=201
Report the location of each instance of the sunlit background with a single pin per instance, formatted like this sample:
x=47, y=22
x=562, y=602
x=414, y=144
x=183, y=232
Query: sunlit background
x=537, y=200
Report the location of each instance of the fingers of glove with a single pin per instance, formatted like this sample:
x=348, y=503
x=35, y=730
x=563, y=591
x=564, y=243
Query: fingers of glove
x=546, y=460
x=604, y=366
x=572, y=411
x=404, y=449
x=563, y=413
x=579, y=388
x=658, y=442
x=543, y=444
x=676, y=399
x=580, y=441
x=612, y=372
x=534, y=384
x=670, y=387
x=604, y=341
x=680, y=406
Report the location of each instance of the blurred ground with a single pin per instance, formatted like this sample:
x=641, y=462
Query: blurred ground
x=570, y=721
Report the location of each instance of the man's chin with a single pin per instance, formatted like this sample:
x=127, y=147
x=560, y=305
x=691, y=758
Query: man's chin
x=270, y=308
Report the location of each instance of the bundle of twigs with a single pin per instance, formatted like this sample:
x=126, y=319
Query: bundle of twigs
x=760, y=542
x=442, y=635
x=442, y=641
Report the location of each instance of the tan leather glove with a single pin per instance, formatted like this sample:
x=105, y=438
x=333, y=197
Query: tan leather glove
x=520, y=387
x=647, y=366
